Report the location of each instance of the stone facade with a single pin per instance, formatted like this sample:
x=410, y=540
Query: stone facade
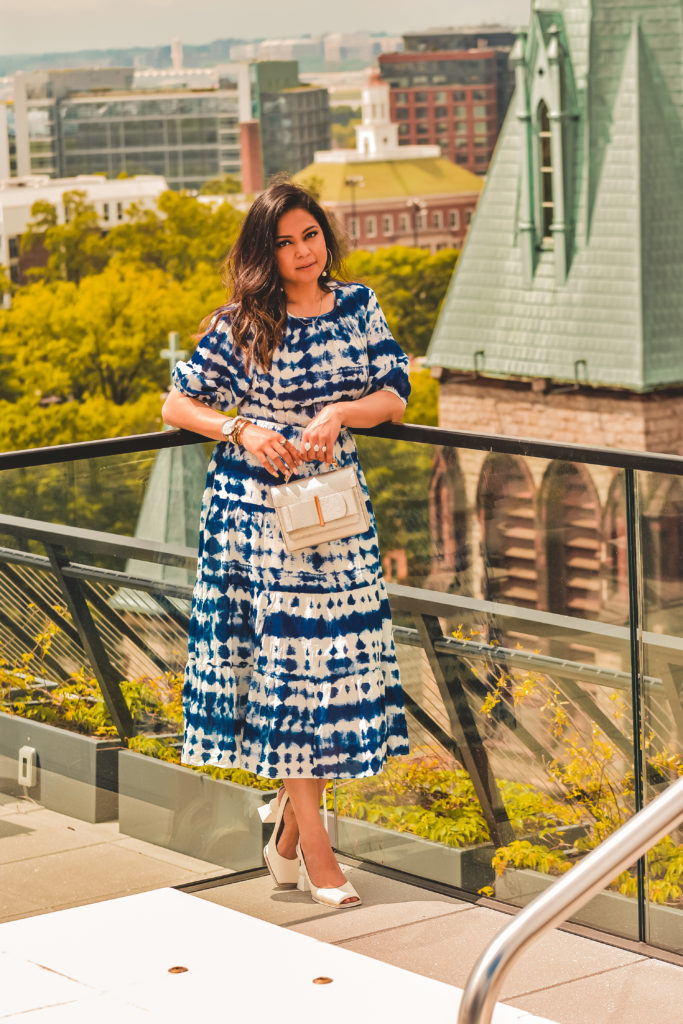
x=600, y=417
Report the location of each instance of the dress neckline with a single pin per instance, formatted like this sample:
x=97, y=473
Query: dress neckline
x=334, y=286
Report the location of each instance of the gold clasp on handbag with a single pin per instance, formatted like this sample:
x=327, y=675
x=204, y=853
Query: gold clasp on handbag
x=318, y=509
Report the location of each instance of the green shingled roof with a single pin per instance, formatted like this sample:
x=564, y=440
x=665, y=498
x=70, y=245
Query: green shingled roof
x=618, y=315
x=385, y=179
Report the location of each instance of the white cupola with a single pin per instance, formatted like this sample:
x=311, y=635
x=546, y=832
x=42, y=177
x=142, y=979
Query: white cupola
x=376, y=136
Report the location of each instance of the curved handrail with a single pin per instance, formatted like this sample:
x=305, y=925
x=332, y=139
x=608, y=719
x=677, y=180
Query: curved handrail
x=565, y=896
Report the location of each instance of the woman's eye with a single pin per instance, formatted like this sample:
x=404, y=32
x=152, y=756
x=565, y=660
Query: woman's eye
x=282, y=244
x=311, y=234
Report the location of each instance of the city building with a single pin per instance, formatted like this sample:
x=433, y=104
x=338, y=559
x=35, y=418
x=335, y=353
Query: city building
x=111, y=200
x=451, y=87
x=384, y=194
x=187, y=125
x=294, y=117
x=563, y=319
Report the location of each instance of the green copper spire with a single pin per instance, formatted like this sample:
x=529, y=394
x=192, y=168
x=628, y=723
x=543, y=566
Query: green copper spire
x=573, y=267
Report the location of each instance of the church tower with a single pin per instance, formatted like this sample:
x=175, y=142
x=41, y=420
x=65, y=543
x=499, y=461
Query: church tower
x=564, y=318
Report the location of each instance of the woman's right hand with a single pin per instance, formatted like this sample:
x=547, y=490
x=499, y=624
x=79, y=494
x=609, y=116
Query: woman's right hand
x=271, y=449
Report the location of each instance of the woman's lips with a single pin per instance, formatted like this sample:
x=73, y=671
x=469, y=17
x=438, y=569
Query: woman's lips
x=307, y=266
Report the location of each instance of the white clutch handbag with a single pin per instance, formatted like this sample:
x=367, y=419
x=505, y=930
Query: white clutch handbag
x=315, y=509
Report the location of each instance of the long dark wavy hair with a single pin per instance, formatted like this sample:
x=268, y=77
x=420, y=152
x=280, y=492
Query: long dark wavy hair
x=257, y=301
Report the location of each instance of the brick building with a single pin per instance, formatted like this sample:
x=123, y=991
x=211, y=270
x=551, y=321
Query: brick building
x=451, y=88
x=384, y=194
x=563, y=320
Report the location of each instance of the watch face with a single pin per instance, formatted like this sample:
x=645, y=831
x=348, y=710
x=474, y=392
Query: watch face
x=228, y=428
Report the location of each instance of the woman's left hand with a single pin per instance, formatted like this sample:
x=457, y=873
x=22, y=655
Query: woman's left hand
x=318, y=439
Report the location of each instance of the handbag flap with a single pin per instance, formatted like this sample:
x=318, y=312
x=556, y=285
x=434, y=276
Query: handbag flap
x=306, y=489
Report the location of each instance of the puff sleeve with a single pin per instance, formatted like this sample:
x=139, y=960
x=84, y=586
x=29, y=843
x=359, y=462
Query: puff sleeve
x=388, y=363
x=213, y=374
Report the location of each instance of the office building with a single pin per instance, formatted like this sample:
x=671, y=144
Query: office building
x=451, y=88
x=189, y=126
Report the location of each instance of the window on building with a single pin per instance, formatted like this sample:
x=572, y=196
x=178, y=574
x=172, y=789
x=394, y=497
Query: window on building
x=441, y=128
x=420, y=79
x=423, y=129
x=480, y=94
x=454, y=219
x=440, y=111
x=404, y=223
x=480, y=111
x=401, y=97
x=404, y=129
x=546, y=168
x=14, y=247
x=461, y=156
x=388, y=224
x=371, y=227
x=440, y=97
x=402, y=113
x=436, y=219
x=421, y=97
x=460, y=111
x=107, y=211
x=468, y=217
x=421, y=112
x=119, y=211
x=421, y=220
x=459, y=95
x=353, y=227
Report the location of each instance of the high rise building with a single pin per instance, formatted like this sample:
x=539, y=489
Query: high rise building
x=451, y=87
x=247, y=119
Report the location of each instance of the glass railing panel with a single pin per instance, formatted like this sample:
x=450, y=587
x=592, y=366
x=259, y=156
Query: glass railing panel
x=91, y=660
x=660, y=535
x=514, y=648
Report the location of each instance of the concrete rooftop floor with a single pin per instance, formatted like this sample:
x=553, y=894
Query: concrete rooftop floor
x=50, y=862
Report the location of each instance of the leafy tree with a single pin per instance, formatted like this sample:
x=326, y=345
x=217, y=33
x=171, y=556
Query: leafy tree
x=75, y=248
x=103, y=337
x=410, y=285
x=183, y=235
x=226, y=185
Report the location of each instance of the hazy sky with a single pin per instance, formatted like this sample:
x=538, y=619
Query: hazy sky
x=38, y=26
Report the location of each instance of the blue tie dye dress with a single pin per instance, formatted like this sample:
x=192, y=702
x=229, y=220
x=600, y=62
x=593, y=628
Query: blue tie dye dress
x=291, y=671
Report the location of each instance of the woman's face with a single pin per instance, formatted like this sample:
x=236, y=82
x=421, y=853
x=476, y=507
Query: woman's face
x=300, y=248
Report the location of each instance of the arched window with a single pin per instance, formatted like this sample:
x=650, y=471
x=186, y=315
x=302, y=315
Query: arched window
x=545, y=166
x=448, y=523
x=506, y=506
x=663, y=545
x=573, y=540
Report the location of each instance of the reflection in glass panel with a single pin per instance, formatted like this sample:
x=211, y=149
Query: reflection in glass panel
x=520, y=720
x=76, y=709
x=660, y=523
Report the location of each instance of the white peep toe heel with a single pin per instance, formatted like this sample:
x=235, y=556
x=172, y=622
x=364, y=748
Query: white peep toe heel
x=329, y=897
x=284, y=872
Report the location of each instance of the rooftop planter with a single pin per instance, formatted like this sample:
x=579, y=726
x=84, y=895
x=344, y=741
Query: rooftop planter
x=185, y=810
x=76, y=774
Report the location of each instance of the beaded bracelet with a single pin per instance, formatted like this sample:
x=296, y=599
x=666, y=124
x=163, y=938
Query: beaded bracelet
x=237, y=433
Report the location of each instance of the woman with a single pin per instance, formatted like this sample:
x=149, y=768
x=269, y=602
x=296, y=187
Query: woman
x=291, y=672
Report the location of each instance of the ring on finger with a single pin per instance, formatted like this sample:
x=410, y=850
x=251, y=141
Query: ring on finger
x=307, y=446
x=316, y=447
x=324, y=449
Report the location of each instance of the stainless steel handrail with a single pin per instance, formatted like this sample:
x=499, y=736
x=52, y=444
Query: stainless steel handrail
x=565, y=896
